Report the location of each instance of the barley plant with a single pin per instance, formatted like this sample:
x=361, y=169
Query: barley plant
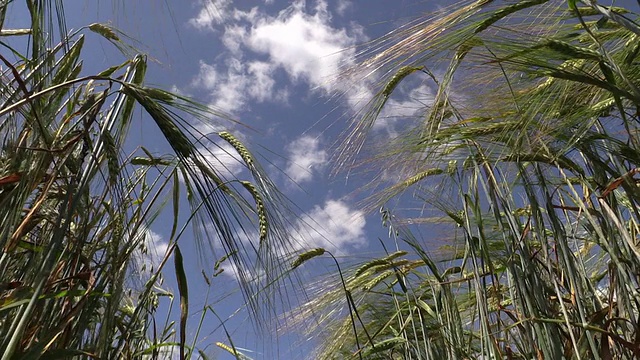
x=524, y=167
x=77, y=200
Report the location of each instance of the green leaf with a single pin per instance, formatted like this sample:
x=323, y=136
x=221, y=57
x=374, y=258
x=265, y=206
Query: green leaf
x=184, y=298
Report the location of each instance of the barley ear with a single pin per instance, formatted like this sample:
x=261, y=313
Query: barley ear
x=241, y=149
x=104, y=30
x=382, y=261
x=399, y=76
x=260, y=209
x=232, y=351
x=307, y=256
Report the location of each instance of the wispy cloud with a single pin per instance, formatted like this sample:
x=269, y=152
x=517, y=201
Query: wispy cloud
x=153, y=248
x=211, y=13
x=343, y=6
x=334, y=226
x=306, y=158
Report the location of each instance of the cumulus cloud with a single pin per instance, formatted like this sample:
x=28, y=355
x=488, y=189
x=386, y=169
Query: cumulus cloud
x=306, y=46
x=305, y=158
x=300, y=42
x=239, y=83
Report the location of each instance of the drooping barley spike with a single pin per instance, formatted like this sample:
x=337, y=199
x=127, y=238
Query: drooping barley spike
x=104, y=30
x=174, y=135
x=603, y=107
x=160, y=94
x=375, y=281
x=417, y=178
x=307, y=256
x=232, y=351
x=263, y=224
x=399, y=76
x=388, y=265
x=241, y=149
x=176, y=138
x=362, y=269
x=139, y=160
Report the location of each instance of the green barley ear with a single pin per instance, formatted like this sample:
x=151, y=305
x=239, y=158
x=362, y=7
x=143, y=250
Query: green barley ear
x=420, y=176
x=15, y=32
x=388, y=265
x=376, y=280
x=240, y=148
x=104, y=30
x=382, y=261
x=307, y=256
x=232, y=351
x=399, y=76
x=260, y=209
x=159, y=94
x=176, y=138
x=143, y=161
x=506, y=11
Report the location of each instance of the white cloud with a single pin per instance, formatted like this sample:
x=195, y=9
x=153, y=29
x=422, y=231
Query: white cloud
x=343, y=6
x=233, y=38
x=213, y=12
x=305, y=158
x=243, y=81
x=262, y=85
x=207, y=76
x=335, y=227
x=306, y=46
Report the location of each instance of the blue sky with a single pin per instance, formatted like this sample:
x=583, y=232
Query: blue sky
x=274, y=65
